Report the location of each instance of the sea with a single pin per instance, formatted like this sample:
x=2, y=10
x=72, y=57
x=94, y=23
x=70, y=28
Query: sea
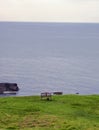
x=50, y=57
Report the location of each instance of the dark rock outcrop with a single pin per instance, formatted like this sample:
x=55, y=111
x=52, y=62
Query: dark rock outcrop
x=58, y=93
x=8, y=87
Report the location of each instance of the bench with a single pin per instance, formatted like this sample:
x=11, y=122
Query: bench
x=46, y=95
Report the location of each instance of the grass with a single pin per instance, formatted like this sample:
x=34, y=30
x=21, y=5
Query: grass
x=66, y=112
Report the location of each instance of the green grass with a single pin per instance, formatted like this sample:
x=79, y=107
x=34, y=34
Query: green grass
x=66, y=112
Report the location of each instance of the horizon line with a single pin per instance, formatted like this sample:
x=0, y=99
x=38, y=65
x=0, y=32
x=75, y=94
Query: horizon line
x=48, y=22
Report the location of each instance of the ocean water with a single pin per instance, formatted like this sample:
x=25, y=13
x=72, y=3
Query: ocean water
x=48, y=57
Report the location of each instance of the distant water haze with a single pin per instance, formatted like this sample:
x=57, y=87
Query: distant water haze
x=50, y=57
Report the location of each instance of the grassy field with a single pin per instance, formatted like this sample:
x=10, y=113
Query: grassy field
x=65, y=112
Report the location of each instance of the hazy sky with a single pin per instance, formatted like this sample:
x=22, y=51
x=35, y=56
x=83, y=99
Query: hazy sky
x=50, y=10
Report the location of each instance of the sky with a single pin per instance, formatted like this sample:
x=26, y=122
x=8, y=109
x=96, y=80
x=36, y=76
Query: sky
x=50, y=10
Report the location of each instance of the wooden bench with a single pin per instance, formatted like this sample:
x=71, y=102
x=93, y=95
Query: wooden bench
x=46, y=95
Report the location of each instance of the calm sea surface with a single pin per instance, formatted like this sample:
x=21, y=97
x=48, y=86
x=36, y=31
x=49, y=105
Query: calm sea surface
x=50, y=57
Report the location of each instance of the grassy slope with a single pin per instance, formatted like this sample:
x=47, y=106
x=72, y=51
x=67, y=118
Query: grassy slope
x=67, y=112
